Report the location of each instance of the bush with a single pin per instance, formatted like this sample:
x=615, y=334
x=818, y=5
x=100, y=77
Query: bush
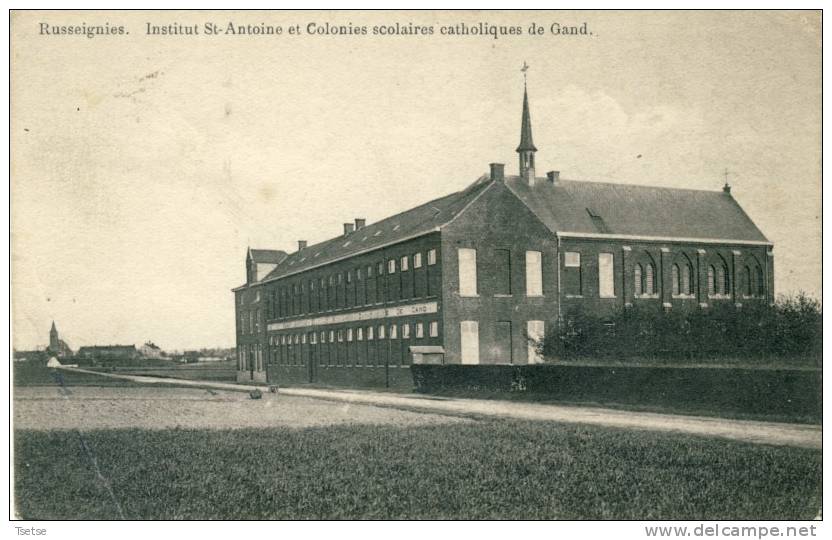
x=791, y=328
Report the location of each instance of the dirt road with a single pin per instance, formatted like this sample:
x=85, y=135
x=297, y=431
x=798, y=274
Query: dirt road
x=774, y=433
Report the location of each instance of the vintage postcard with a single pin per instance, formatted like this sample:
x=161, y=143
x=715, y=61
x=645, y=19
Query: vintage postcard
x=419, y=265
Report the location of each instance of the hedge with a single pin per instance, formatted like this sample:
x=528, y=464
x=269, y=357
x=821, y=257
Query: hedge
x=794, y=393
x=791, y=328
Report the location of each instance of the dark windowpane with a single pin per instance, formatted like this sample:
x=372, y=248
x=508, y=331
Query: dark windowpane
x=761, y=284
x=638, y=280
x=502, y=271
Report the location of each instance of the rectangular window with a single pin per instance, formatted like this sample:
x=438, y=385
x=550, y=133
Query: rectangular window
x=323, y=336
x=332, y=336
x=340, y=336
x=380, y=269
x=534, y=273
x=417, y=260
x=404, y=264
x=406, y=331
x=606, y=275
x=467, y=271
x=470, y=343
x=431, y=257
x=391, y=266
x=502, y=351
x=369, y=271
x=434, y=329
x=502, y=271
x=360, y=336
x=420, y=330
x=349, y=276
x=349, y=334
x=303, y=339
x=572, y=259
x=313, y=338
x=394, y=331
x=381, y=331
x=369, y=333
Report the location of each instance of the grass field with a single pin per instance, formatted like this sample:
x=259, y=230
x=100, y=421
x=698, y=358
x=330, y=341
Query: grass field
x=31, y=374
x=39, y=375
x=473, y=470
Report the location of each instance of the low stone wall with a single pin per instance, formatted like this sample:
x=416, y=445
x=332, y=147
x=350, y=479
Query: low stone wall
x=356, y=376
x=787, y=392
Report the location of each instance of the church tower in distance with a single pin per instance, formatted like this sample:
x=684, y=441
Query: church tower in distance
x=54, y=341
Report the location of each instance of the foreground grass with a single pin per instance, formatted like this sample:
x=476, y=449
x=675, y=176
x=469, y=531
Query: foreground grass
x=495, y=469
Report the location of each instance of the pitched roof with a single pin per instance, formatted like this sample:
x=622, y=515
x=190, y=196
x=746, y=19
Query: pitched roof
x=414, y=222
x=623, y=209
x=568, y=206
x=267, y=256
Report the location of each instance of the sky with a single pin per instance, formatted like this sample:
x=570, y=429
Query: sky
x=143, y=166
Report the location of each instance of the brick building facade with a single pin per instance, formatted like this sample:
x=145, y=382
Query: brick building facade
x=469, y=277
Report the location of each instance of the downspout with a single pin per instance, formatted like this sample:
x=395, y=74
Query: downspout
x=387, y=364
x=560, y=285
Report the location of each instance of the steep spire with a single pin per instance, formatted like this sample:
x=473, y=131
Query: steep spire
x=54, y=340
x=526, y=143
x=526, y=149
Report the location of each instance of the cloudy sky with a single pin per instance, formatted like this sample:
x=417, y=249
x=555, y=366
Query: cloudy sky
x=143, y=166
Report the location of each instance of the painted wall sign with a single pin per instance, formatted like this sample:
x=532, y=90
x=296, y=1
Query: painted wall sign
x=370, y=314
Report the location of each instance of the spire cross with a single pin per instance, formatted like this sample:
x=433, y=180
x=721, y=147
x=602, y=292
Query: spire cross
x=524, y=69
x=725, y=174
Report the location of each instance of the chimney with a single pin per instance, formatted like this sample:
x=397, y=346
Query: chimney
x=497, y=171
x=360, y=223
x=348, y=228
x=301, y=244
x=553, y=177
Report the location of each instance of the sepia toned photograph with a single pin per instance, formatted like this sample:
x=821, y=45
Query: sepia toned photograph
x=417, y=265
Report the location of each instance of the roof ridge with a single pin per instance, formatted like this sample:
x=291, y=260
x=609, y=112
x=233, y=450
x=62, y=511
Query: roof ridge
x=645, y=186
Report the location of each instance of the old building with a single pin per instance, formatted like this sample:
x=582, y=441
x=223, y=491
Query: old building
x=108, y=353
x=57, y=346
x=150, y=350
x=470, y=277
